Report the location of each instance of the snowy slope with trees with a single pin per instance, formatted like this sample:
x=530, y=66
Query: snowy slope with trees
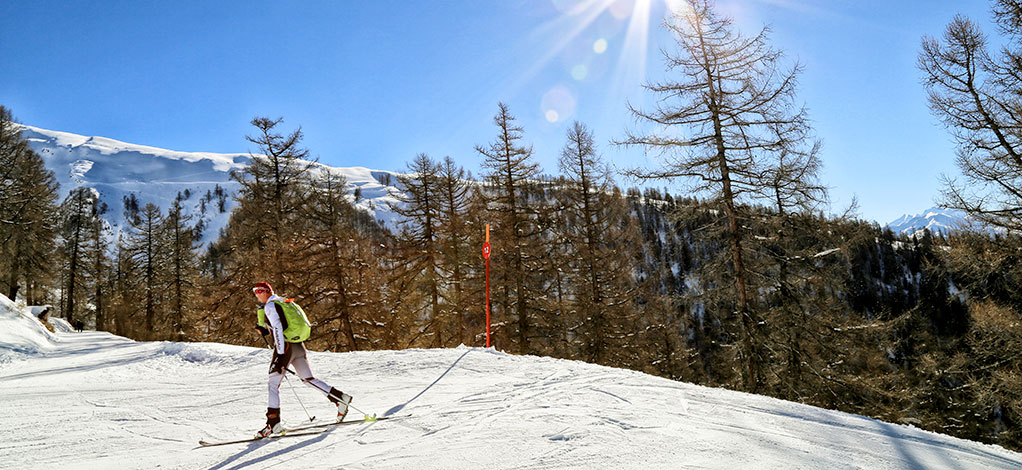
x=95, y=400
x=119, y=170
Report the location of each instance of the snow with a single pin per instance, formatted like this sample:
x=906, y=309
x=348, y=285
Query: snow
x=118, y=169
x=110, y=147
x=95, y=400
x=937, y=220
x=60, y=325
x=21, y=333
x=826, y=252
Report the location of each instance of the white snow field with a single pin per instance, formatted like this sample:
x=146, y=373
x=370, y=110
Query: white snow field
x=95, y=400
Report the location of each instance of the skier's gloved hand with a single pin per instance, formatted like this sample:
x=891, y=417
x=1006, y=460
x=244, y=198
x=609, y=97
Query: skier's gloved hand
x=262, y=330
x=278, y=363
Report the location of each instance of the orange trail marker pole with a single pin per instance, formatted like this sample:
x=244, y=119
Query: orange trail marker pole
x=486, y=254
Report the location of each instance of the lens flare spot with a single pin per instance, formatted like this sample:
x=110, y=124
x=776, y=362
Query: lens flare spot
x=622, y=9
x=572, y=7
x=579, y=72
x=558, y=104
x=600, y=46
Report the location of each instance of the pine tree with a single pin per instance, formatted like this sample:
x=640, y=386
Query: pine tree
x=549, y=255
x=798, y=309
x=147, y=250
x=455, y=245
x=182, y=270
x=600, y=240
x=265, y=232
x=420, y=207
x=975, y=95
x=272, y=191
x=510, y=173
x=79, y=218
x=343, y=260
x=974, y=91
x=125, y=291
x=27, y=205
x=732, y=103
x=99, y=263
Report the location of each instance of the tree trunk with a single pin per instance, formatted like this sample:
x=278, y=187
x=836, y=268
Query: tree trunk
x=342, y=294
x=13, y=279
x=73, y=268
x=751, y=377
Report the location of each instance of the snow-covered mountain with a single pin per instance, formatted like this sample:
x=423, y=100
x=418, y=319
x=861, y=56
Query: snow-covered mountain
x=94, y=400
x=937, y=220
x=118, y=169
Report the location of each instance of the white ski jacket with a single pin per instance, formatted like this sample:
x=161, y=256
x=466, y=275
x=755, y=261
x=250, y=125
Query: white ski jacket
x=276, y=320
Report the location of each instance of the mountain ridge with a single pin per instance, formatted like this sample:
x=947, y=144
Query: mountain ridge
x=119, y=169
x=938, y=220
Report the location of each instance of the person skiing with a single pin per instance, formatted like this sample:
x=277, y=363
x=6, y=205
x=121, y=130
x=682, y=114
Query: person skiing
x=287, y=324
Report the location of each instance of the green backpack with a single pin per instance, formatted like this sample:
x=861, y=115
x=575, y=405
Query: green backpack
x=298, y=327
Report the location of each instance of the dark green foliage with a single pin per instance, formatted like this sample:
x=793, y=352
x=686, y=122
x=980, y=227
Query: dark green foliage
x=28, y=194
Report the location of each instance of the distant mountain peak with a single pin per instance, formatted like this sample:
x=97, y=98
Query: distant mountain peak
x=937, y=220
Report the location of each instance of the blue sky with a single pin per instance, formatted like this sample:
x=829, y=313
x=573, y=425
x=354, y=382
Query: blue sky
x=373, y=83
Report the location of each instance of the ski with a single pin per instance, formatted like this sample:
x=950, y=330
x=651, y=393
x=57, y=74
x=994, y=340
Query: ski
x=299, y=431
x=254, y=439
x=342, y=423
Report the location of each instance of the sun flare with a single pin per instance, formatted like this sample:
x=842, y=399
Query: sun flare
x=584, y=32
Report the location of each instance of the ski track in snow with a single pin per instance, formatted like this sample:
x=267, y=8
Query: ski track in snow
x=95, y=400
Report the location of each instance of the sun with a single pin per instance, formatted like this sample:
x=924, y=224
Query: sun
x=625, y=40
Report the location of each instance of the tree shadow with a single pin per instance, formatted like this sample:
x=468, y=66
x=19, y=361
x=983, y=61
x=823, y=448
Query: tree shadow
x=397, y=408
x=900, y=437
x=940, y=449
x=78, y=368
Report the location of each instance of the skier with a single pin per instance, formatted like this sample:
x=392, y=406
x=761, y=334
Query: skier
x=289, y=327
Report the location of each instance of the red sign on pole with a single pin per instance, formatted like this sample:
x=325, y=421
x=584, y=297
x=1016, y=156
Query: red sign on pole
x=486, y=251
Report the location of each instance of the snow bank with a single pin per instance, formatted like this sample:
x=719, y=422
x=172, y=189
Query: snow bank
x=61, y=325
x=23, y=333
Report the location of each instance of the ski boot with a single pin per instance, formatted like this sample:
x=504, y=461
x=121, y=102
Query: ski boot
x=273, y=425
x=340, y=399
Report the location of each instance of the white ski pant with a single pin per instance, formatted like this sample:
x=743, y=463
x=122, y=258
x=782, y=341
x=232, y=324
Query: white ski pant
x=301, y=366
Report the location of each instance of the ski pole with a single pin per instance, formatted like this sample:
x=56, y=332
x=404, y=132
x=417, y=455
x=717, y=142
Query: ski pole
x=289, y=371
x=311, y=418
x=366, y=415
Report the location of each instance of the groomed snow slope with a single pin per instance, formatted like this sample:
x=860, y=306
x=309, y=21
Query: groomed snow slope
x=94, y=400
